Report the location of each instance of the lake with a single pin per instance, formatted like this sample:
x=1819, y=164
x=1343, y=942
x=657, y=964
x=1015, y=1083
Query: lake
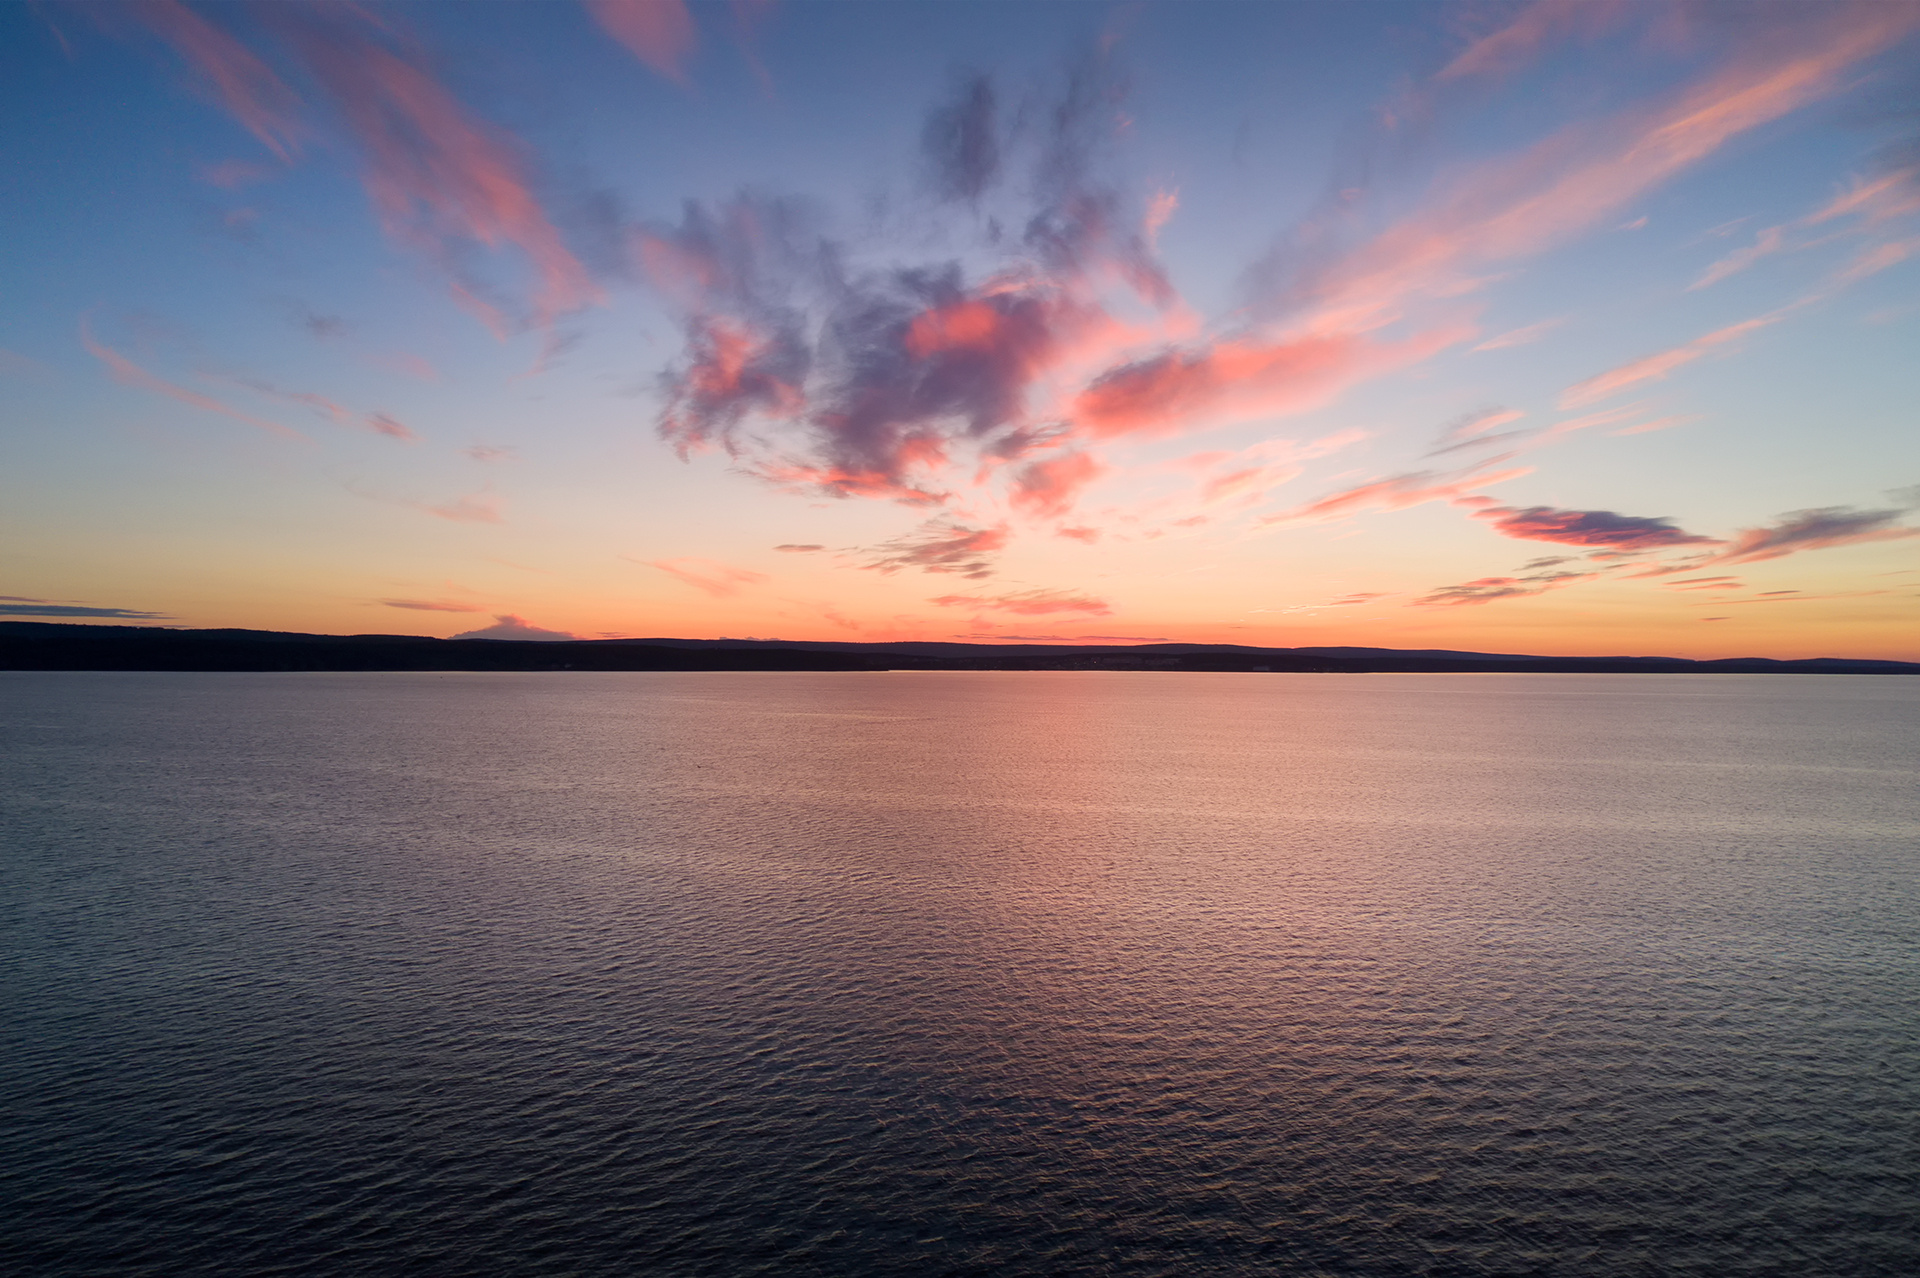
x=960, y=973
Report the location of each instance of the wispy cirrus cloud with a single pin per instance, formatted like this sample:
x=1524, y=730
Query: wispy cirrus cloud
x=1817, y=529
x=1398, y=492
x=660, y=33
x=1485, y=590
x=249, y=89
x=127, y=373
x=438, y=175
x=440, y=178
x=1584, y=174
x=430, y=605
x=1519, y=336
x=1538, y=26
x=709, y=576
x=378, y=423
x=1657, y=366
x=1029, y=603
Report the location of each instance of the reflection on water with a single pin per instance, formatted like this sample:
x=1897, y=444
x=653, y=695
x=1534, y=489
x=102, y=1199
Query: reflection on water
x=963, y=973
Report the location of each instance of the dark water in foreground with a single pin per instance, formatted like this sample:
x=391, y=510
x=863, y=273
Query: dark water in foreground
x=978, y=973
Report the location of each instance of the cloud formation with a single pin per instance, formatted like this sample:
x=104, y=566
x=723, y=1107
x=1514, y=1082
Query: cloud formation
x=429, y=605
x=15, y=606
x=1398, y=492
x=940, y=546
x=440, y=178
x=1818, y=529
x=1656, y=367
x=127, y=373
x=658, y=32
x=1029, y=603
x=1487, y=589
x=245, y=85
x=1588, y=528
x=507, y=626
x=709, y=576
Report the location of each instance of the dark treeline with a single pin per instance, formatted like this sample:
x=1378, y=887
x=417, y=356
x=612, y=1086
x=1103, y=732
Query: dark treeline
x=48, y=646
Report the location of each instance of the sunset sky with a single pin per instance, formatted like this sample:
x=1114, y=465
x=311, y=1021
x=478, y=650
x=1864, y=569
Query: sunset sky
x=1573, y=328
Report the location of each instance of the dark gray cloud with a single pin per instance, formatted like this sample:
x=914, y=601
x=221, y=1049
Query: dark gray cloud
x=16, y=606
x=1589, y=528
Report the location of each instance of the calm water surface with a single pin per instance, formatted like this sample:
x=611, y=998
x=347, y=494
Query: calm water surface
x=972, y=973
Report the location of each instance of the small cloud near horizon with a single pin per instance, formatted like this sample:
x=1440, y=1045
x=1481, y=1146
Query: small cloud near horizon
x=508, y=626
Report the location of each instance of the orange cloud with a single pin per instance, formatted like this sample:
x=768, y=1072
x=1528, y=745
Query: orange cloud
x=658, y=32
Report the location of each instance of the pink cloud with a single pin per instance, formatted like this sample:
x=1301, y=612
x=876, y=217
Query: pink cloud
x=475, y=508
x=1397, y=493
x=1538, y=26
x=1050, y=485
x=1240, y=379
x=437, y=175
x=379, y=423
x=1519, y=336
x=707, y=575
x=658, y=32
x=1765, y=244
x=1656, y=367
x=245, y=85
x=1586, y=173
x=127, y=373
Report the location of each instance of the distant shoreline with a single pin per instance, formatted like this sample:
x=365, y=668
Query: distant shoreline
x=51, y=646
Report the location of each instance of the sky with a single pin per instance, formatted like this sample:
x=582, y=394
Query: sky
x=1581, y=328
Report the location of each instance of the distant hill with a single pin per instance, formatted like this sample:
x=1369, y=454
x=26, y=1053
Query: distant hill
x=35, y=645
